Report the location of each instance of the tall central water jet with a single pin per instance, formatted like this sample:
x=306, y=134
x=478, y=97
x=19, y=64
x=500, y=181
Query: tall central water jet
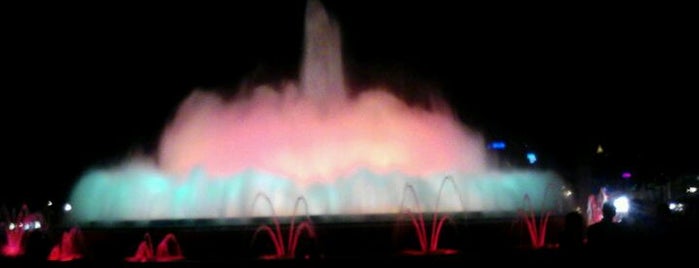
x=314, y=133
x=322, y=77
x=344, y=155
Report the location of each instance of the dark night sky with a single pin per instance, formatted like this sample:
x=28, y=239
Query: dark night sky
x=87, y=85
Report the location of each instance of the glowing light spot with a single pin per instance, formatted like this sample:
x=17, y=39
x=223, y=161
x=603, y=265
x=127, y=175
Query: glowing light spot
x=692, y=189
x=622, y=204
x=626, y=175
x=678, y=207
x=497, y=145
x=600, y=150
x=50, y=203
x=67, y=207
x=37, y=225
x=12, y=226
x=531, y=157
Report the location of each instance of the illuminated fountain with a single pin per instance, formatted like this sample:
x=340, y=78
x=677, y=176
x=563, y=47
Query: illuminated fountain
x=285, y=250
x=168, y=250
x=14, y=245
x=69, y=248
x=14, y=234
x=18, y=226
x=536, y=226
x=347, y=154
x=144, y=251
x=428, y=245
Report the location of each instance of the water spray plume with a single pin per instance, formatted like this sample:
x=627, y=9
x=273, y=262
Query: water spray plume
x=345, y=155
x=322, y=77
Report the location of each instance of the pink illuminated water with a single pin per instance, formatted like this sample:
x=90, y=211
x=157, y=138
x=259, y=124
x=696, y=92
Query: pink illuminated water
x=14, y=246
x=18, y=226
x=311, y=132
x=345, y=155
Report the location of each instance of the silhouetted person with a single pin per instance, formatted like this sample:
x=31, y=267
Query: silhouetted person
x=573, y=235
x=605, y=235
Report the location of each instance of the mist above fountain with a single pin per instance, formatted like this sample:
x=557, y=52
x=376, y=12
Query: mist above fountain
x=312, y=132
x=345, y=155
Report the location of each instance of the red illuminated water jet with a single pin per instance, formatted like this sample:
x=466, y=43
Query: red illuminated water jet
x=428, y=245
x=537, y=232
x=536, y=226
x=68, y=249
x=168, y=250
x=283, y=251
x=19, y=225
x=14, y=246
x=144, y=251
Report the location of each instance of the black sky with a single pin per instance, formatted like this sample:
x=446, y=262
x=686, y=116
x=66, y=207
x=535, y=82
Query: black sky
x=87, y=85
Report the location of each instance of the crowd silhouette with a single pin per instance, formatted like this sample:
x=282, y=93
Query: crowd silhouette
x=645, y=233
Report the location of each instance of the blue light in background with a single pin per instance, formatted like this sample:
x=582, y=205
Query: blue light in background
x=531, y=157
x=497, y=145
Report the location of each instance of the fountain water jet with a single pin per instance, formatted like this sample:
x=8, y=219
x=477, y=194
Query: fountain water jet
x=310, y=140
x=69, y=248
x=168, y=250
x=19, y=225
x=537, y=232
x=14, y=246
x=322, y=76
x=282, y=251
x=428, y=245
x=144, y=251
x=14, y=234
